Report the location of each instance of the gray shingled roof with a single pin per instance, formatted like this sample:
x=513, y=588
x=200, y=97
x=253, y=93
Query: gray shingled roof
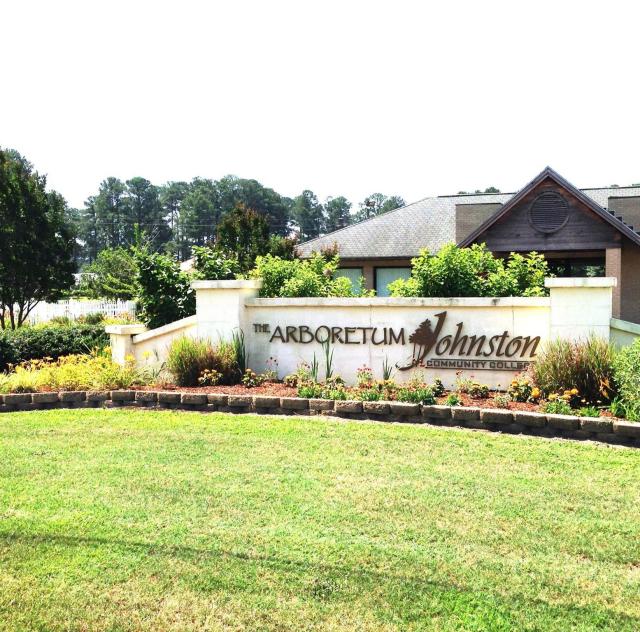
x=429, y=223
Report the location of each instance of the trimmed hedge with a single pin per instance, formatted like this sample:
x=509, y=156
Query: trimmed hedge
x=51, y=341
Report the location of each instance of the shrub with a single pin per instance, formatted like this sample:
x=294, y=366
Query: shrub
x=94, y=318
x=625, y=410
x=501, y=400
x=453, y=400
x=557, y=407
x=49, y=341
x=214, y=264
x=437, y=387
x=335, y=393
x=586, y=365
x=164, y=291
x=295, y=277
x=626, y=367
x=310, y=390
x=189, y=358
x=416, y=395
x=589, y=411
x=463, y=384
x=479, y=391
x=473, y=271
x=251, y=378
x=521, y=389
x=369, y=395
x=209, y=377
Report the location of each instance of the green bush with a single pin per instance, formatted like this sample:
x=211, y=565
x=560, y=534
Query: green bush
x=416, y=395
x=296, y=278
x=164, y=291
x=215, y=264
x=111, y=275
x=473, y=271
x=452, y=400
x=626, y=371
x=190, y=359
x=369, y=395
x=585, y=365
x=557, y=407
x=49, y=341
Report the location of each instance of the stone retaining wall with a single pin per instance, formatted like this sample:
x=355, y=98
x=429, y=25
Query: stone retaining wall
x=509, y=421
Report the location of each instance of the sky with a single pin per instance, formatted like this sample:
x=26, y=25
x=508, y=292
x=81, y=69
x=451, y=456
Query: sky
x=343, y=98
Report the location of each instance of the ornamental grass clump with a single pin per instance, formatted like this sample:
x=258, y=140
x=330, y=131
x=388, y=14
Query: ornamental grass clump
x=189, y=358
x=584, y=365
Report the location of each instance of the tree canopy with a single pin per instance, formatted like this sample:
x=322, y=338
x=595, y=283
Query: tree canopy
x=36, y=241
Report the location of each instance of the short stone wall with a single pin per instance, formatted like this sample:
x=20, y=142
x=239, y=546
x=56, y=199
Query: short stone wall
x=508, y=421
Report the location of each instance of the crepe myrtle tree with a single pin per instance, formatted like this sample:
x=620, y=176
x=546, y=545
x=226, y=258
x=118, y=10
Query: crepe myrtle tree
x=36, y=241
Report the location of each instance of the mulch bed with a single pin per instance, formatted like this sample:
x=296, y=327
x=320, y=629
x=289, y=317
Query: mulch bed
x=277, y=389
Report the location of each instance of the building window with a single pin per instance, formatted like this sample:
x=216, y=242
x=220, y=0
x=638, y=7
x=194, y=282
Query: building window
x=591, y=267
x=353, y=274
x=384, y=276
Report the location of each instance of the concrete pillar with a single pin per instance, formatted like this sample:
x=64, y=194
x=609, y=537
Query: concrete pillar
x=581, y=307
x=220, y=306
x=613, y=268
x=122, y=340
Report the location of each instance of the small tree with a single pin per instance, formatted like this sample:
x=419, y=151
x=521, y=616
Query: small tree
x=111, y=275
x=244, y=233
x=36, y=241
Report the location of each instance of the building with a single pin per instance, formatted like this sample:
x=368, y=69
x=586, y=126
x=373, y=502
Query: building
x=588, y=232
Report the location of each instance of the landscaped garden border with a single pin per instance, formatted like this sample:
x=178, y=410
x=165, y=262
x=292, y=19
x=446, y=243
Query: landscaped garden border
x=510, y=421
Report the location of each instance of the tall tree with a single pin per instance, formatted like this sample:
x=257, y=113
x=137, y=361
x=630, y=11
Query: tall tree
x=171, y=196
x=88, y=232
x=338, y=213
x=233, y=191
x=111, y=214
x=36, y=241
x=199, y=214
x=145, y=212
x=244, y=233
x=376, y=204
x=309, y=215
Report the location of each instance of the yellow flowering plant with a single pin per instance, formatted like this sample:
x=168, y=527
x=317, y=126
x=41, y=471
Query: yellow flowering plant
x=77, y=372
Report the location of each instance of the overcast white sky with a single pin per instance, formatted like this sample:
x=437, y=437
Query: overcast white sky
x=344, y=98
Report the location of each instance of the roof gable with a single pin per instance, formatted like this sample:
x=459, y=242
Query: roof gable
x=521, y=197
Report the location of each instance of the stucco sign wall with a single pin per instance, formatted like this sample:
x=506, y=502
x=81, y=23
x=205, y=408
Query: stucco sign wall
x=491, y=339
x=438, y=337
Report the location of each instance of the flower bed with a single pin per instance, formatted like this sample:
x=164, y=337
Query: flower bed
x=278, y=389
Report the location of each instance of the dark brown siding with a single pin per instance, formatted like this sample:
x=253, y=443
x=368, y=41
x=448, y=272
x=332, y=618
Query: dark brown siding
x=628, y=208
x=630, y=282
x=584, y=230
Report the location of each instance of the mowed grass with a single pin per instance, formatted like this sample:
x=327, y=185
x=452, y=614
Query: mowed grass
x=141, y=520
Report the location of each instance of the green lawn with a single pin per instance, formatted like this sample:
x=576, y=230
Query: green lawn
x=127, y=520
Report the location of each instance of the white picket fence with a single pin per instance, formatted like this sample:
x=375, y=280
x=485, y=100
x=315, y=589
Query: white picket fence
x=73, y=309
